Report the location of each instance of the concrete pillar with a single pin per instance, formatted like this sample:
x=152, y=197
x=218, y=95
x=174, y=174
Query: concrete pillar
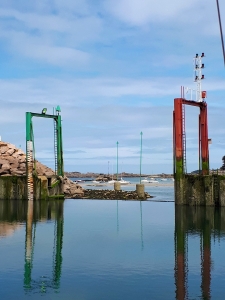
x=117, y=186
x=140, y=189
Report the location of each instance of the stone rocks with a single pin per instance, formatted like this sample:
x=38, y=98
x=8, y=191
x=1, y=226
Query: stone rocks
x=13, y=163
x=114, y=195
x=72, y=189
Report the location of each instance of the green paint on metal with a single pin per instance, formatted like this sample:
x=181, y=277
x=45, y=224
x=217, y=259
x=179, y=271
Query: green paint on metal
x=117, y=143
x=141, y=155
x=57, y=119
x=59, y=147
x=205, y=166
x=28, y=126
x=179, y=169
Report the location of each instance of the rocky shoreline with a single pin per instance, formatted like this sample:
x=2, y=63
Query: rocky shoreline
x=113, y=195
x=102, y=175
x=13, y=163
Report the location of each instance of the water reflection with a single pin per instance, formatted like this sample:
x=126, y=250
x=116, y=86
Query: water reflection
x=142, y=239
x=53, y=210
x=31, y=213
x=205, y=222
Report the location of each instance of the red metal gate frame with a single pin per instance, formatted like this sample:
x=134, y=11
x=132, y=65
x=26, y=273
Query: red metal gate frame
x=178, y=136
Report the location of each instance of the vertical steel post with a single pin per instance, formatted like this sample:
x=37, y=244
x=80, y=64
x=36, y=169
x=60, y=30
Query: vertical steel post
x=141, y=155
x=28, y=126
x=204, y=139
x=174, y=142
x=199, y=146
x=117, y=161
x=29, y=157
x=178, y=135
x=59, y=146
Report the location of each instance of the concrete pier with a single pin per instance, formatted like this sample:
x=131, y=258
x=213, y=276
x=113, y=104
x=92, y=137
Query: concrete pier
x=15, y=187
x=140, y=189
x=117, y=186
x=204, y=190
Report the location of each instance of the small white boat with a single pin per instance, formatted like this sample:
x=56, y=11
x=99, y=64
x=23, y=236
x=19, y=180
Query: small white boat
x=122, y=181
x=149, y=180
x=111, y=181
x=98, y=183
x=153, y=181
x=163, y=179
x=145, y=180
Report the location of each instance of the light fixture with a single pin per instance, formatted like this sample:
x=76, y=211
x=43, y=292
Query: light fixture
x=58, y=109
x=44, y=110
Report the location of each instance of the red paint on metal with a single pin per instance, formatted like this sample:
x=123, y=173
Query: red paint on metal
x=174, y=142
x=178, y=130
x=203, y=132
x=206, y=272
x=181, y=292
x=204, y=138
x=199, y=144
x=204, y=94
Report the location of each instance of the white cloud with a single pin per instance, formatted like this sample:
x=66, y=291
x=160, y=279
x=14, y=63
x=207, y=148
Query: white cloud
x=55, y=55
x=136, y=12
x=51, y=38
x=97, y=92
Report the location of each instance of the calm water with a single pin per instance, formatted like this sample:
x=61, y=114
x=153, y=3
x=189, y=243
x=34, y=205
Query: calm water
x=90, y=249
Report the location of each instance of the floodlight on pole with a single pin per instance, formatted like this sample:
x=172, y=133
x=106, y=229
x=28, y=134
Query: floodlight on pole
x=141, y=155
x=58, y=109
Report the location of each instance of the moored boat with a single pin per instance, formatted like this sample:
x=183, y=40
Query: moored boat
x=123, y=182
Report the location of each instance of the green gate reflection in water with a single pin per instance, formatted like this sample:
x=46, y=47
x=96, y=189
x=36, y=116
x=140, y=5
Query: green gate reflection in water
x=42, y=283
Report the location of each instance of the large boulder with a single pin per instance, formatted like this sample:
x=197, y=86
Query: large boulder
x=72, y=189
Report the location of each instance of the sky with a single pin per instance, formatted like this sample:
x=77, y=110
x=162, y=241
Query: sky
x=114, y=67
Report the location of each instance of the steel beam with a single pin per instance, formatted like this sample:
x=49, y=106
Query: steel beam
x=178, y=131
x=204, y=140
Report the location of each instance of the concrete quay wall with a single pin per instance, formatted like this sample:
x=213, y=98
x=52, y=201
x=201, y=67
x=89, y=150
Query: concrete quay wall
x=200, y=190
x=15, y=187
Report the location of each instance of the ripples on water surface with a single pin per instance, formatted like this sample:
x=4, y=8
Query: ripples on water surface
x=90, y=249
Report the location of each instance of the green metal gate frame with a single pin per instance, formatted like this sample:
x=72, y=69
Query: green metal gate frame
x=30, y=141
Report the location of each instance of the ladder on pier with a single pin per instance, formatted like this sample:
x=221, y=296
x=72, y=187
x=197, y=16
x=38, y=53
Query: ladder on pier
x=184, y=140
x=55, y=148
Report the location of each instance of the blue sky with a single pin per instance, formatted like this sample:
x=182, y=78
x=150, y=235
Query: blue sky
x=114, y=67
